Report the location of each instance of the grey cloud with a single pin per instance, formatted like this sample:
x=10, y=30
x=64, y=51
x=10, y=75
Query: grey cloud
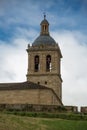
x=13, y=61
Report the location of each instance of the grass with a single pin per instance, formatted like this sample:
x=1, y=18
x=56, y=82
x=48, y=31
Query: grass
x=65, y=125
x=15, y=122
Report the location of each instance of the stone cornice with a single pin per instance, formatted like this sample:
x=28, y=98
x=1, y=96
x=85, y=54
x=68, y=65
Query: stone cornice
x=47, y=49
x=49, y=74
x=42, y=49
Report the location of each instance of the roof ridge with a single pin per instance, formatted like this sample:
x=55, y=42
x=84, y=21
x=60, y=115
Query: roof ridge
x=21, y=86
x=56, y=95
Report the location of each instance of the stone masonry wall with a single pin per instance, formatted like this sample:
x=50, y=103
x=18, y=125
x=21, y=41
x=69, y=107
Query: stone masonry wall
x=83, y=109
x=31, y=96
x=50, y=79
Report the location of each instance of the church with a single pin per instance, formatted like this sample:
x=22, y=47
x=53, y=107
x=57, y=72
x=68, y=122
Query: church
x=44, y=83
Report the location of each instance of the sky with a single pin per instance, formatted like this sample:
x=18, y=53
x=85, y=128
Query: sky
x=20, y=26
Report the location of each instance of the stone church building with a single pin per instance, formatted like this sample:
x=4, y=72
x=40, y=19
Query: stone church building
x=44, y=82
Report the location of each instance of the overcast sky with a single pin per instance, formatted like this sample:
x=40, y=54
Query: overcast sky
x=20, y=25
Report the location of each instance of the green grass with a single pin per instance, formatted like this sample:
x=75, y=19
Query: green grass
x=15, y=122
x=65, y=125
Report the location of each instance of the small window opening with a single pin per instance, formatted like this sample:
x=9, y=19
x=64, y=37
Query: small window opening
x=38, y=82
x=36, y=63
x=45, y=28
x=45, y=82
x=48, y=63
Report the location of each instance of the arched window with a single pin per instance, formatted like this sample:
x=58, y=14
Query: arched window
x=45, y=28
x=36, y=63
x=48, y=63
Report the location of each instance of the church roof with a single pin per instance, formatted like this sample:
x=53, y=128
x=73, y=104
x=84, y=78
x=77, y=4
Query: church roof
x=44, y=22
x=21, y=86
x=44, y=40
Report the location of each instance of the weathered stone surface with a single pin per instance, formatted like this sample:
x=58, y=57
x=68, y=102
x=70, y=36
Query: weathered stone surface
x=83, y=109
x=29, y=96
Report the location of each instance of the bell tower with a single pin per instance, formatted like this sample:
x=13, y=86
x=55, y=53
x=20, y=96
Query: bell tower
x=44, y=61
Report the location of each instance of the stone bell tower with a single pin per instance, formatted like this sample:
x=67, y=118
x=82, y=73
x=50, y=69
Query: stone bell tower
x=44, y=57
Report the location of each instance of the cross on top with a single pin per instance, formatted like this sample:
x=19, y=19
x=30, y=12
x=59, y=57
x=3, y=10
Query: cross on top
x=44, y=15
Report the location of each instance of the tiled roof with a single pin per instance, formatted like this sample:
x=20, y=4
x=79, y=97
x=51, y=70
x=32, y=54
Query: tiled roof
x=44, y=40
x=44, y=22
x=21, y=86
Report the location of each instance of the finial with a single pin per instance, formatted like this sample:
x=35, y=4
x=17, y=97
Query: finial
x=44, y=15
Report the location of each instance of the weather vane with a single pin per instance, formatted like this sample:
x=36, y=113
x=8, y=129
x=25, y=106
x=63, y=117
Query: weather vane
x=44, y=15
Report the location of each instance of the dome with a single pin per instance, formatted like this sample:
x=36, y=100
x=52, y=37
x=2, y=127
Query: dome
x=44, y=40
x=44, y=22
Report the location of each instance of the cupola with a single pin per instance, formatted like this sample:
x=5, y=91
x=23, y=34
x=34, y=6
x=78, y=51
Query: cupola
x=44, y=38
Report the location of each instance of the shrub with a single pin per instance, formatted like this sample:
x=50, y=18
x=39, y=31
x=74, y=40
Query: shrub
x=68, y=116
